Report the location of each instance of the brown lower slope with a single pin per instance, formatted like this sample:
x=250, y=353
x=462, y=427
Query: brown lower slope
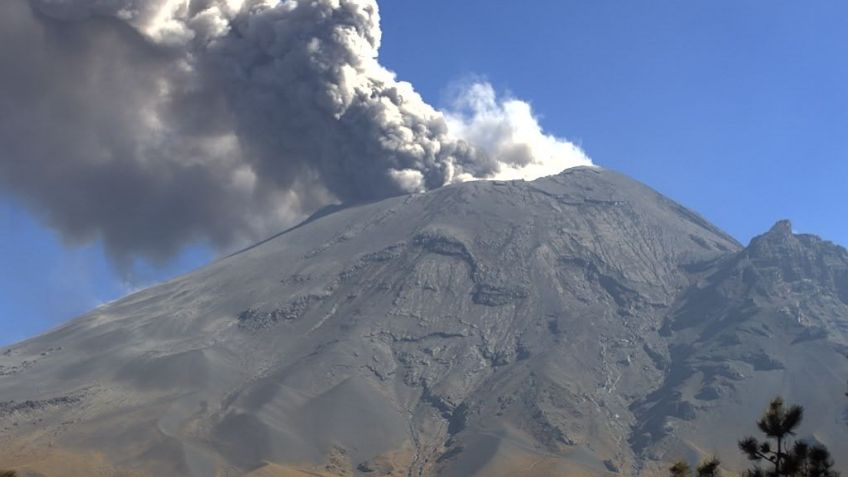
x=508, y=463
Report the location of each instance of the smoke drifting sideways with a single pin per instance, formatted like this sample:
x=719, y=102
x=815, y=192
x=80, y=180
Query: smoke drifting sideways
x=153, y=124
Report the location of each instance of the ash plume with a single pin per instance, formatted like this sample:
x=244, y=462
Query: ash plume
x=151, y=124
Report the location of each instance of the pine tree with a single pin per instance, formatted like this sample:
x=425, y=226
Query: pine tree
x=778, y=423
x=708, y=468
x=789, y=459
x=680, y=469
x=818, y=463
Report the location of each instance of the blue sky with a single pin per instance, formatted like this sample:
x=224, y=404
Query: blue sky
x=737, y=109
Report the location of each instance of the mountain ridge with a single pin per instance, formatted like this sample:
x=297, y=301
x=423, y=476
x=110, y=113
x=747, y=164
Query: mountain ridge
x=581, y=323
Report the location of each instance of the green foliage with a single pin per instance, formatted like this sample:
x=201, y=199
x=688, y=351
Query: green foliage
x=8, y=473
x=785, y=458
x=813, y=461
x=708, y=468
x=679, y=469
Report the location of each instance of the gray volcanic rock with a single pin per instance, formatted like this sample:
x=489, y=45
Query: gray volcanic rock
x=580, y=324
x=771, y=319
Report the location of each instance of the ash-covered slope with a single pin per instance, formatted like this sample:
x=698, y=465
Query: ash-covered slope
x=580, y=324
x=770, y=319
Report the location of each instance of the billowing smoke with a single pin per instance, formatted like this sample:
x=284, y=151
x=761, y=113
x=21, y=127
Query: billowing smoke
x=507, y=130
x=151, y=124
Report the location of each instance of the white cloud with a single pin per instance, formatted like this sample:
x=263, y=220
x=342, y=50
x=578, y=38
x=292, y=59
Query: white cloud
x=508, y=132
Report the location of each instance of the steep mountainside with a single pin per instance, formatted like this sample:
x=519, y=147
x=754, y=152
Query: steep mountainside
x=580, y=324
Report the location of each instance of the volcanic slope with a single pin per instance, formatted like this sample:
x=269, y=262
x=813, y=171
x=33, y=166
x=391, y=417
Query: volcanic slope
x=580, y=324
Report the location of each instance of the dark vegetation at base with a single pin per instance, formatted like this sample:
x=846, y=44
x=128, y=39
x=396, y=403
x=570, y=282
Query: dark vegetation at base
x=778, y=455
x=708, y=468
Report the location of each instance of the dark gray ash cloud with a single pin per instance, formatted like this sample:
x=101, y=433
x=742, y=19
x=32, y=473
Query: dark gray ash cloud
x=151, y=124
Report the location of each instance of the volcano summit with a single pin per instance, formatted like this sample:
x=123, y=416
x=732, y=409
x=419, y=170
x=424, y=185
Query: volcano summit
x=580, y=324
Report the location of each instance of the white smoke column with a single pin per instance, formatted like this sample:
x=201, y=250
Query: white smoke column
x=507, y=130
x=151, y=124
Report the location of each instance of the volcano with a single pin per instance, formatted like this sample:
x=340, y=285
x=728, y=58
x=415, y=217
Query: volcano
x=580, y=324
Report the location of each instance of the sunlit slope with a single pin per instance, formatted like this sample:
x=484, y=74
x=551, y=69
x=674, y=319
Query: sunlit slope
x=580, y=324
